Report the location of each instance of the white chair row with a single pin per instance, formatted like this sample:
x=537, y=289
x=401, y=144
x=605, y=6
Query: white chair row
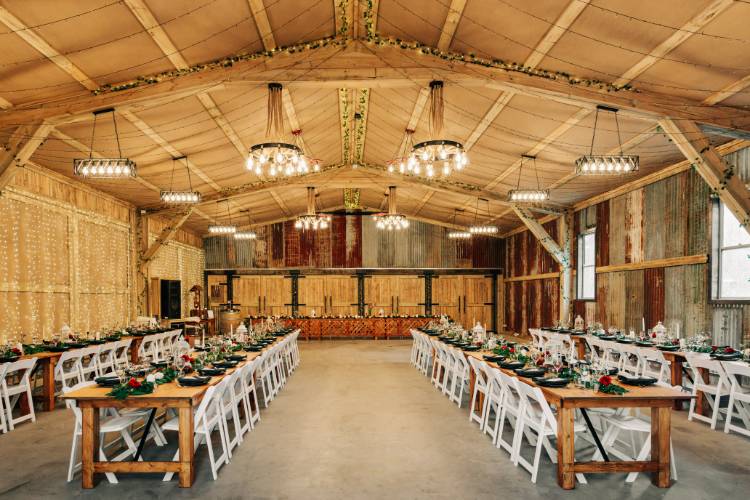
x=81, y=365
x=421, y=352
x=15, y=382
x=159, y=346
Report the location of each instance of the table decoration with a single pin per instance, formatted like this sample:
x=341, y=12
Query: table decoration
x=132, y=387
x=8, y=354
x=607, y=387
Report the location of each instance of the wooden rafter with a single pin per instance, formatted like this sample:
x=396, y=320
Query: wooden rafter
x=20, y=150
x=258, y=9
x=722, y=178
x=5, y=104
x=166, y=234
x=33, y=39
x=695, y=25
x=455, y=11
x=542, y=235
x=728, y=91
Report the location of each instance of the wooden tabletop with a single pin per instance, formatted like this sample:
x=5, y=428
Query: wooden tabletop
x=48, y=354
x=575, y=396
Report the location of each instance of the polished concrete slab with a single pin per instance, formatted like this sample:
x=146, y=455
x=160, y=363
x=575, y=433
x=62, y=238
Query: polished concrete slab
x=357, y=421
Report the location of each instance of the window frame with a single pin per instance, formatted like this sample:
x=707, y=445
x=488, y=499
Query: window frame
x=717, y=251
x=580, y=245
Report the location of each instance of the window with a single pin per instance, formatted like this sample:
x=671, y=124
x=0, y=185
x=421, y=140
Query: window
x=586, y=272
x=731, y=263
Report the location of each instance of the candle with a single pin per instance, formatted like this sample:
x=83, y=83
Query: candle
x=203, y=337
x=643, y=325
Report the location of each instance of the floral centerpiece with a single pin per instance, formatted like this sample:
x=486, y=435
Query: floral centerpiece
x=608, y=387
x=9, y=353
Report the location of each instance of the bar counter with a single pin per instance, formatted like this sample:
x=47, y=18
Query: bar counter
x=353, y=327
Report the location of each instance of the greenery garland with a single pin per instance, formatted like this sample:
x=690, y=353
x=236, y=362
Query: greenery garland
x=607, y=387
x=131, y=388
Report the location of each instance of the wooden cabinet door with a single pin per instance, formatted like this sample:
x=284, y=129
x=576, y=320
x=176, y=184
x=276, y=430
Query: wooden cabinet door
x=447, y=296
x=246, y=292
x=477, y=301
x=312, y=295
x=277, y=295
x=409, y=292
x=341, y=294
x=379, y=295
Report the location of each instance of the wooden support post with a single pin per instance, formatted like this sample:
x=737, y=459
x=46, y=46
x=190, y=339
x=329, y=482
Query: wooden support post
x=140, y=242
x=167, y=234
x=566, y=271
x=16, y=155
x=723, y=179
x=560, y=254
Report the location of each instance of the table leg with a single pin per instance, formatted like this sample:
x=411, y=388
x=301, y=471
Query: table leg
x=89, y=445
x=48, y=384
x=676, y=377
x=565, y=448
x=660, y=441
x=581, y=346
x=700, y=400
x=187, y=455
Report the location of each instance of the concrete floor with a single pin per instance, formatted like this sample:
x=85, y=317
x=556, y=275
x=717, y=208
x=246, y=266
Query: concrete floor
x=357, y=421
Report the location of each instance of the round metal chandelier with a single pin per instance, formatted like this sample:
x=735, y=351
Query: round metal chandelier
x=392, y=220
x=312, y=220
x=277, y=158
x=435, y=156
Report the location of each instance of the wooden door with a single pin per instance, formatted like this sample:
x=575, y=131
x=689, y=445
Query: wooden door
x=312, y=295
x=341, y=294
x=409, y=292
x=477, y=302
x=277, y=295
x=246, y=292
x=217, y=290
x=447, y=296
x=379, y=295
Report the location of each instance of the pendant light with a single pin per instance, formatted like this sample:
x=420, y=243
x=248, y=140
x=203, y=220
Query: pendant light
x=392, y=219
x=621, y=164
x=220, y=229
x=104, y=168
x=520, y=196
x=248, y=234
x=186, y=197
x=457, y=234
x=312, y=220
x=482, y=228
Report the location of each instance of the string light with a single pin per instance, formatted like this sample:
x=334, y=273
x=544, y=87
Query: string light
x=592, y=164
x=482, y=228
x=104, y=168
x=520, y=196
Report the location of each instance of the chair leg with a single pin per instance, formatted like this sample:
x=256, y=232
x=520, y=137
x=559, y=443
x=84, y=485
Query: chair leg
x=73, y=455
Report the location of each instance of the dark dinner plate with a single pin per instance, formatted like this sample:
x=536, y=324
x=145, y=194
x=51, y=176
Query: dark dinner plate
x=493, y=358
x=253, y=348
x=112, y=338
x=193, y=381
x=669, y=348
x=512, y=365
x=225, y=364
x=644, y=343
x=57, y=348
x=608, y=337
x=470, y=348
x=136, y=373
x=107, y=381
x=96, y=342
x=159, y=364
x=212, y=372
x=236, y=357
x=201, y=348
x=530, y=372
x=723, y=356
x=77, y=345
x=551, y=381
x=625, y=341
x=639, y=381
x=8, y=359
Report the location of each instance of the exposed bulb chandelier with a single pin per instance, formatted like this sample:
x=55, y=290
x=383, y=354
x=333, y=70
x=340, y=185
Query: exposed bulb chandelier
x=479, y=227
x=457, y=234
x=520, y=196
x=223, y=229
x=104, y=168
x=248, y=234
x=176, y=197
x=621, y=164
x=392, y=220
x=312, y=220
x=435, y=156
x=277, y=158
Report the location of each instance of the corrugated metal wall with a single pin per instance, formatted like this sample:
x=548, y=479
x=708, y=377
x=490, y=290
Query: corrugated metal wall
x=669, y=218
x=353, y=242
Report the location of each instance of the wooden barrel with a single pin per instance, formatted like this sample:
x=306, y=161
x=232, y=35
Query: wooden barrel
x=229, y=320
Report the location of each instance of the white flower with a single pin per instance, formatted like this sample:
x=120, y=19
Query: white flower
x=158, y=375
x=151, y=378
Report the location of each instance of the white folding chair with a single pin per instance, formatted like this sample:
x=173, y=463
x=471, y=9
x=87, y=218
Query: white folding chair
x=536, y=415
x=654, y=364
x=630, y=359
x=481, y=387
x=252, y=409
x=596, y=347
x=119, y=424
x=148, y=350
x=3, y=420
x=207, y=418
x=493, y=403
x=106, y=362
x=90, y=362
x=510, y=411
x=739, y=397
x=230, y=404
x=15, y=383
x=122, y=353
x=459, y=376
x=713, y=389
x=68, y=368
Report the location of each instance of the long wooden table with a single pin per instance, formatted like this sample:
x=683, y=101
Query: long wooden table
x=46, y=362
x=568, y=399
x=169, y=395
x=349, y=327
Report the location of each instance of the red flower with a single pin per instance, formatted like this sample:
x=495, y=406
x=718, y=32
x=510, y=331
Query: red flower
x=16, y=351
x=133, y=383
x=540, y=361
x=187, y=359
x=605, y=380
x=713, y=348
x=728, y=350
x=653, y=335
x=675, y=342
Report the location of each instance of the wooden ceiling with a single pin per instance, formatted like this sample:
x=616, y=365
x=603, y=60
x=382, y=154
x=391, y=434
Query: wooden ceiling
x=62, y=59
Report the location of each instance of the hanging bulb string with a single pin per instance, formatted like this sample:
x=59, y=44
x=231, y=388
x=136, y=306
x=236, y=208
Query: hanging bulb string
x=93, y=131
x=536, y=171
x=437, y=109
x=593, y=134
x=275, y=118
x=117, y=135
x=171, y=181
x=190, y=181
x=619, y=139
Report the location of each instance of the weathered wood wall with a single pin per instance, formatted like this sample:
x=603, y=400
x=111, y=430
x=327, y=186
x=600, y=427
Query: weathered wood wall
x=65, y=256
x=352, y=241
x=652, y=247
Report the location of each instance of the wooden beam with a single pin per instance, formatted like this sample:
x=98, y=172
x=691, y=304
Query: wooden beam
x=166, y=234
x=5, y=104
x=258, y=9
x=346, y=116
x=543, y=236
x=144, y=15
x=17, y=157
x=728, y=91
x=33, y=39
x=695, y=25
x=455, y=11
x=166, y=146
x=722, y=178
x=532, y=277
x=651, y=264
x=566, y=271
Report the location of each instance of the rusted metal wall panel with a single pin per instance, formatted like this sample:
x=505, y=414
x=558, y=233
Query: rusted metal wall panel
x=353, y=241
x=653, y=293
x=633, y=300
x=654, y=234
x=634, y=226
x=698, y=215
x=602, y=233
x=616, y=230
